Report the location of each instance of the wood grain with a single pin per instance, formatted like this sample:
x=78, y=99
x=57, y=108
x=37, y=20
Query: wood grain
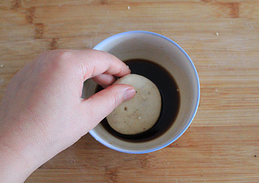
x=221, y=37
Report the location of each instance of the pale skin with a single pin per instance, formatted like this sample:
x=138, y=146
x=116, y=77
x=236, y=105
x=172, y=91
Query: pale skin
x=42, y=112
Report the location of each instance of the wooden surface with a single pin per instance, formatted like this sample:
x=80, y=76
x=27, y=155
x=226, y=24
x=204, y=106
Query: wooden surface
x=221, y=37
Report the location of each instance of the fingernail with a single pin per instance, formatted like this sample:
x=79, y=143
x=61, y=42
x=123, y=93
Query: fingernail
x=129, y=93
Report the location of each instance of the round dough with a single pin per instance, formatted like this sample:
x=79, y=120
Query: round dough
x=139, y=113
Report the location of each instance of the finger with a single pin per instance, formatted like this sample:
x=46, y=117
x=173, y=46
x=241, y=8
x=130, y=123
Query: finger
x=93, y=63
x=103, y=103
x=104, y=80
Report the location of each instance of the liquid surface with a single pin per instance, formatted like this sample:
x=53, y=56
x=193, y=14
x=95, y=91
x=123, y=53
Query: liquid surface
x=170, y=96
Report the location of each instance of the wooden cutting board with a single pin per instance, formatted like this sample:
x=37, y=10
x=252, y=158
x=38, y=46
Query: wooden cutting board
x=221, y=37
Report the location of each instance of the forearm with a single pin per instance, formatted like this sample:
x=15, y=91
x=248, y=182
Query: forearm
x=13, y=166
x=17, y=161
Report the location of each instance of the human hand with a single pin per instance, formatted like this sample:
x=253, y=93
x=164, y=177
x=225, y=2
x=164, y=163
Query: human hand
x=42, y=112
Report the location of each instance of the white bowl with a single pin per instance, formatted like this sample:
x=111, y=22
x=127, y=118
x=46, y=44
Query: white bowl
x=165, y=52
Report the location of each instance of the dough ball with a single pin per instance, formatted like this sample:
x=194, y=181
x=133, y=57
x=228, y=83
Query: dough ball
x=139, y=113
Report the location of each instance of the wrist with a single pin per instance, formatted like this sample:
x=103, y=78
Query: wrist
x=14, y=167
x=15, y=161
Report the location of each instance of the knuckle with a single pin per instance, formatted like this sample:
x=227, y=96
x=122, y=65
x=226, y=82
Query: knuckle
x=117, y=99
x=62, y=60
x=63, y=56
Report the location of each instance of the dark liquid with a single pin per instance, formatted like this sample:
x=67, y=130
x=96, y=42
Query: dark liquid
x=170, y=100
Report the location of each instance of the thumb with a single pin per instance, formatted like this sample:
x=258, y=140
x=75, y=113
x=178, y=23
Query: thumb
x=101, y=104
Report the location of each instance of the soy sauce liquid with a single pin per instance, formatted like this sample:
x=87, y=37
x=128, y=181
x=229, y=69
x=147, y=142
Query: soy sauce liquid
x=170, y=100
